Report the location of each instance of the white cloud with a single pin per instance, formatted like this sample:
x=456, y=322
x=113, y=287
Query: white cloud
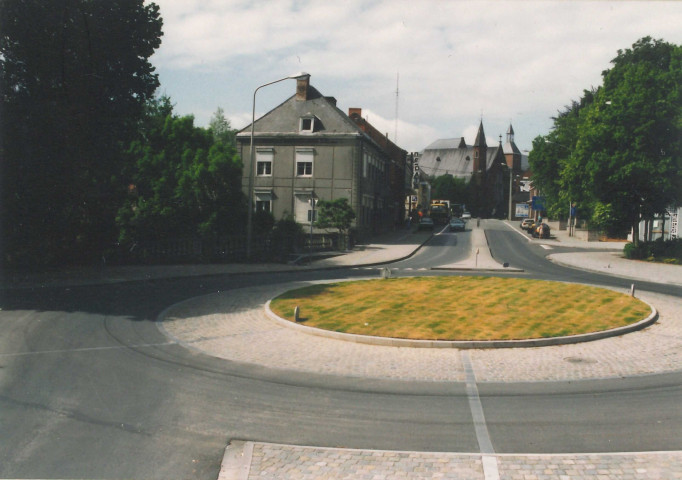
x=458, y=60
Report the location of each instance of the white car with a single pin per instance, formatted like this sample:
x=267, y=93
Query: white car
x=466, y=216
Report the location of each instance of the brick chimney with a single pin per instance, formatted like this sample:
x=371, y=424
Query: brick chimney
x=302, y=85
x=355, y=111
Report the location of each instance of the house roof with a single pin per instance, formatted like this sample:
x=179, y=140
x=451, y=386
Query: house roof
x=284, y=119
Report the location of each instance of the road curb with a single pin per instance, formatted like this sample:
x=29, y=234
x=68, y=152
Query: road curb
x=464, y=344
x=236, y=464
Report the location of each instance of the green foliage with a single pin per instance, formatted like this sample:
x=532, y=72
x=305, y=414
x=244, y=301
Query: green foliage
x=287, y=227
x=669, y=251
x=221, y=128
x=263, y=223
x=75, y=76
x=622, y=141
x=335, y=214
x=448, y=187
x=549, y=160
x=182, y=182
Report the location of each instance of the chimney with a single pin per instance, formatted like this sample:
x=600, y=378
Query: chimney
x=355, y=111
x=331, y=100
x=302, y=88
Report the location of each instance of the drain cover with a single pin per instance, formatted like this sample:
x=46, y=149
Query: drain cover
x=580, y=360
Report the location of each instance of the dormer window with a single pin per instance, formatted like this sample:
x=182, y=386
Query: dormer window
x=307, y=124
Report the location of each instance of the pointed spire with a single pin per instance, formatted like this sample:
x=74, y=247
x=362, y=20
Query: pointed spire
x=510, y=134
x=480, y=137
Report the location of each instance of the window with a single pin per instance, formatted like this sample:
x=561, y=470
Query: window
x=307, y=124
x=264, y=202
x=263, y=206
x=304, y=162
x=264, y=158
x=264, y=168
x=304, y=169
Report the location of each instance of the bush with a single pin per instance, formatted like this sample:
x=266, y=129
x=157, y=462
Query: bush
x=669, y=251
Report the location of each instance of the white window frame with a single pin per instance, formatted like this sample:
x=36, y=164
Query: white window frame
x=306, y=124
x=305, y=156
x=265, y=157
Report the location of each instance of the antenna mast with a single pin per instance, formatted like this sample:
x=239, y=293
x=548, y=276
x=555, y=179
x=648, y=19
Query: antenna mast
x=397, y=93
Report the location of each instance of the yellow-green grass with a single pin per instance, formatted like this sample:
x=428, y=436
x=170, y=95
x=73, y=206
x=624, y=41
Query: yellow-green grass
x=460, y=308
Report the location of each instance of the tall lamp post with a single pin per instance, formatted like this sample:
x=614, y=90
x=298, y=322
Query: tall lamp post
x=511, y=176
x=249, y=221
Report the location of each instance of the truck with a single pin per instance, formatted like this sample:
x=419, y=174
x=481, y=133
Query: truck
x=440, y=212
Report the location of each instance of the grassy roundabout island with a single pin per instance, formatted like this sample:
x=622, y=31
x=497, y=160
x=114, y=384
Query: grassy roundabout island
x=460, y=308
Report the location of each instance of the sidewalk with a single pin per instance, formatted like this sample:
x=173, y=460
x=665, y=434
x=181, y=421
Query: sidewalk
x=608, y=259
x=383, y=249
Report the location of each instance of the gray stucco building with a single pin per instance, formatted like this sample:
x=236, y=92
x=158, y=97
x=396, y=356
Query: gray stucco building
x=308, y=148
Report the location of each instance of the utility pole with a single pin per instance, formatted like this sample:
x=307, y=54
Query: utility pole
x=397, y=93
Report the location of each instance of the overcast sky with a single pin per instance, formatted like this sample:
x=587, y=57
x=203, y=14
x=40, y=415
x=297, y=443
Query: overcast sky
x=515, y=62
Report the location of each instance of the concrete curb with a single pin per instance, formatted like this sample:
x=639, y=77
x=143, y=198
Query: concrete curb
x=236, y=463
x=464, y=344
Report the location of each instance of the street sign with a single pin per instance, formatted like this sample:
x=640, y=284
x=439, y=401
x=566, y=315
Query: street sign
x=522, y=210
x=538, y=203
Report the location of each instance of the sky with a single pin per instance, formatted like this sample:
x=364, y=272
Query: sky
x=421, y=70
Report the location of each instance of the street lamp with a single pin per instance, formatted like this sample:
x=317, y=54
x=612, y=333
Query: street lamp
x=511, y=176
x=249, y=221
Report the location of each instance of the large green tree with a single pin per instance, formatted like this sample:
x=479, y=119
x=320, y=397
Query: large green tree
x=618, y=152
x=629, y=149
x=182, y=182
x=551, y=153
x=75, y=76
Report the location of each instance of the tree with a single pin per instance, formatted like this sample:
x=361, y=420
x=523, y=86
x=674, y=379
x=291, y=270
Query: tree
x=448, y=187
x=618, y=151
x=75, y=77
x=221, y=128
x=550, y=156
x=335, y=214
x=629, y=150
x=182, y=182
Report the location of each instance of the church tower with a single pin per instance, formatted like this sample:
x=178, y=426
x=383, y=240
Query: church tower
x=480, y=151
x=512, y=154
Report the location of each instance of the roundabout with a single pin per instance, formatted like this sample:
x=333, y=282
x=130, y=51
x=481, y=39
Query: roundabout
x=237, y=326
x=165, y=370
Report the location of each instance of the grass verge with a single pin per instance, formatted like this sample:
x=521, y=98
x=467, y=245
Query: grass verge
x=460, y=308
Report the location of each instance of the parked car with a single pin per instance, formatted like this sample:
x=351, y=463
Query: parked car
x=457, y=224
x=425, y=223
x=466, y=216
x=541, y=231
x=526, y=223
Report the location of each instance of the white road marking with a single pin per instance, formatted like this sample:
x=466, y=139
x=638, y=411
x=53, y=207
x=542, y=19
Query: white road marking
x=485, y=445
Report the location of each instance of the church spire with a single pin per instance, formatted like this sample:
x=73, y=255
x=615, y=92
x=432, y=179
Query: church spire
x=510, y=134
x=480, y=137
x=480, y=150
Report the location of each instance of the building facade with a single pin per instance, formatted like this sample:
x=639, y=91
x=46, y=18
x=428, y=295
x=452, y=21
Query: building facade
x=307, y=149
x=488, y=169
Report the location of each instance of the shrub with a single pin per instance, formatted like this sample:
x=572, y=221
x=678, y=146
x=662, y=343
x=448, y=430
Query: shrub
x=669, y=251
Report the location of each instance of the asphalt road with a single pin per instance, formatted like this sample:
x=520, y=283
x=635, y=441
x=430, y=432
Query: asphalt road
x=89, y=387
